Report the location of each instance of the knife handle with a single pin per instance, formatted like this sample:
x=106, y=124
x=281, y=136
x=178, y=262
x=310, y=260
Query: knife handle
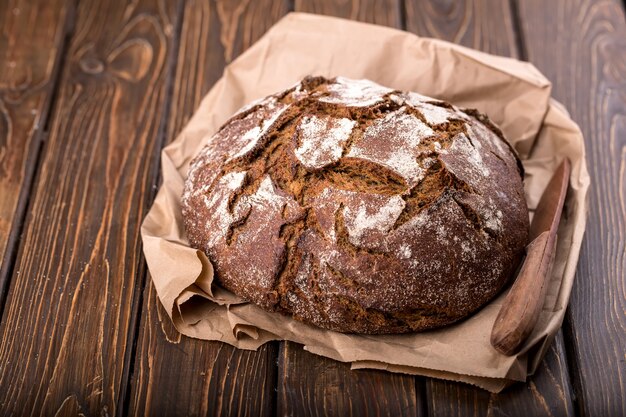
x=525, y=299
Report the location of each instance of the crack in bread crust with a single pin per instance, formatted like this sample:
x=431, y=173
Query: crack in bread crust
x=355, y=181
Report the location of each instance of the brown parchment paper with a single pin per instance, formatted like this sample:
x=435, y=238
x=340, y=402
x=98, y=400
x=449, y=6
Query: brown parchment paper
x=514, y=95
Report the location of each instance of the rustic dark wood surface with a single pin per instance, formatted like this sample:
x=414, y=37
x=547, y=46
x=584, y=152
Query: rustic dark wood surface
x=31, y=44
x=69, y=322
x=90, y=91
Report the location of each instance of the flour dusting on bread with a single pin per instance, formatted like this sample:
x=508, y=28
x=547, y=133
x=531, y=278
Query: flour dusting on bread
x=357, y=207
x=322, y=140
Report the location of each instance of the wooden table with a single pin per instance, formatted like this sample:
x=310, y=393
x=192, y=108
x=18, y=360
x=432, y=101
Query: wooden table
x=89, y=94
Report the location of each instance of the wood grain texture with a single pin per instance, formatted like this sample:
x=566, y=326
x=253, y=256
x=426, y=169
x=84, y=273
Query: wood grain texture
x=178, y=376
x=487, y=25
x=65, y=332
x=214, y=33
x=173, y=374
x=382, y=12
x=581, y=47
x=31, y=40
x=311, y=385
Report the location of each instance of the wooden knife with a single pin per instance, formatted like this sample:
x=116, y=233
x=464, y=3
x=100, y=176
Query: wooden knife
x=522, y=305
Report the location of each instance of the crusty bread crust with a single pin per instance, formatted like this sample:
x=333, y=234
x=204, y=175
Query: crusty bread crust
x=358, y=208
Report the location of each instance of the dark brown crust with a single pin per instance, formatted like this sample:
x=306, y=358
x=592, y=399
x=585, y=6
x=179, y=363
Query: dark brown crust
x=360, y=243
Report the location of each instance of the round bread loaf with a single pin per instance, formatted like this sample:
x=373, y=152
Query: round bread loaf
x=358, y=208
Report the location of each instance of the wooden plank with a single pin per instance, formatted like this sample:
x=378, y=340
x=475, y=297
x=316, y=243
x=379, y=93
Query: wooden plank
x=382, y=12
x=176, y=375
x=311, y=385
x=65, y=336
x=488, y=25
x=212, y=35
x=31, y=40
x=581, y=47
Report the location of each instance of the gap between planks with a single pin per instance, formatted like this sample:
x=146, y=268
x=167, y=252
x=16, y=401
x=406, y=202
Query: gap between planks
x=142, y=269
x=33, y=162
